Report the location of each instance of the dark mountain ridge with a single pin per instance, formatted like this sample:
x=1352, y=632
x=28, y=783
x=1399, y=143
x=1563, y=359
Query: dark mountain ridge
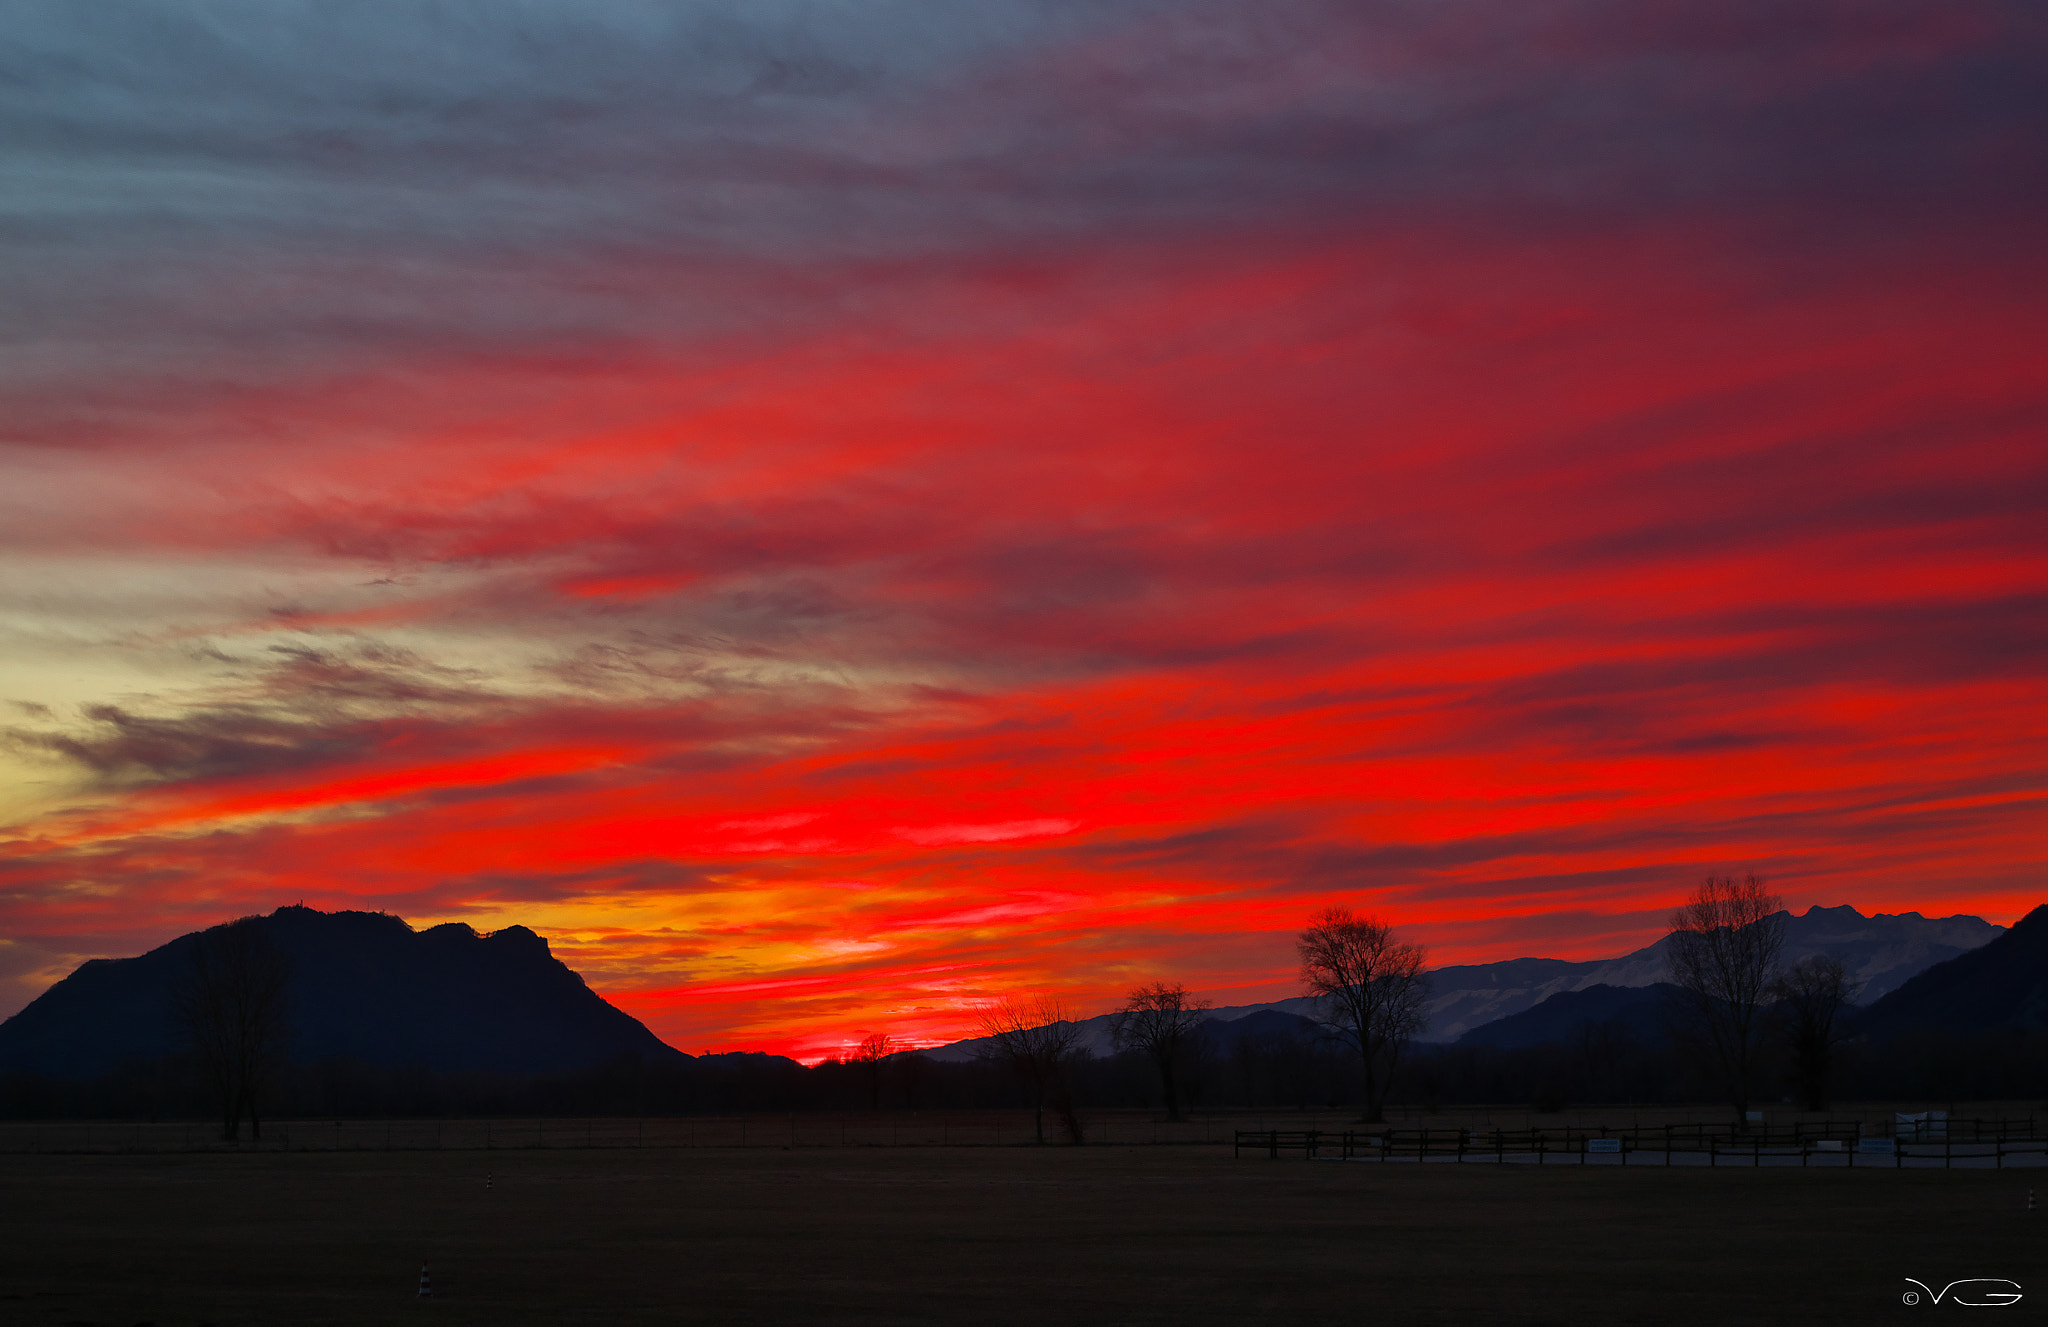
x=1881, y=952
x=2004, y=984
x=1639, y=1011
x=364, y=986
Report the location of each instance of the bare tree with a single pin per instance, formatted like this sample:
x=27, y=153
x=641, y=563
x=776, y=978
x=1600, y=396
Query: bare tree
x=1810, y=997
x=912, y=1072
x=231, y=1006
x=870, y=1055
x=1159, y=1019
x=1372, y=990
x=1035, y=1038
x=1723, y=956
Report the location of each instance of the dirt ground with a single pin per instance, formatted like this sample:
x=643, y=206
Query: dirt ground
x=987, y=1235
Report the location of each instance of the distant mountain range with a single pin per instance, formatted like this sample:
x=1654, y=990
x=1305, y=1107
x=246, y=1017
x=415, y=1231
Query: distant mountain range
x=368, y=987
x=1638, y=1011
x=2002, y=985
x=1882, y=953
x=364, y=986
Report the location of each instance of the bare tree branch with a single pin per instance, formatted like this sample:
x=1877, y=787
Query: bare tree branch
x=1810, y=997
x=1159, y=1020
x=873, y=1051
x=1372, y=990
x=1723, y=956
x=231, y=1007
x=1035, y=1038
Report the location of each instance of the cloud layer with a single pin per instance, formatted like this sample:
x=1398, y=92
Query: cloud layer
x=843, y=511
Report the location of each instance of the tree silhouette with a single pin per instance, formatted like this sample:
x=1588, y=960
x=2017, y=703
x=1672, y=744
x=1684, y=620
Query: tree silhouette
x=1723, y=956
x=1810, y=996
x=1372, y=989
x=872, y=1053
x=1158, y=1020
x=230, y=1005
x=1035, y=1038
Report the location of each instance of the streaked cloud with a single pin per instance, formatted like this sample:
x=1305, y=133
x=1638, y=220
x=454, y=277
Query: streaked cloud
x=839, y=512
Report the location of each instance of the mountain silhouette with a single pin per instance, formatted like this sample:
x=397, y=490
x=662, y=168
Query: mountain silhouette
x=2002, y=985
x=364, y=986
x=1639, y=1011
x=1881, y=952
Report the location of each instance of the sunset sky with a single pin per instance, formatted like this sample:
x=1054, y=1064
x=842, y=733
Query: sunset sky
x=834, y=512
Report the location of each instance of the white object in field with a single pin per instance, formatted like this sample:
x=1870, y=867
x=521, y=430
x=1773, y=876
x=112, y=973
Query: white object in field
x=1922, y=1124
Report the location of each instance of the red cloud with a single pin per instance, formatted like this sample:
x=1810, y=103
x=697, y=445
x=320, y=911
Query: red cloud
x=1311, y=485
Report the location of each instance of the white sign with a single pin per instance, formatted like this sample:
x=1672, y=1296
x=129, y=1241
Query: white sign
x=1603, y=1144
x=1880, y=1146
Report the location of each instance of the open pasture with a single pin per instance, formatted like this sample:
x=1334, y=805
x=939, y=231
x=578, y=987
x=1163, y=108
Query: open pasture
x=1103, y=1234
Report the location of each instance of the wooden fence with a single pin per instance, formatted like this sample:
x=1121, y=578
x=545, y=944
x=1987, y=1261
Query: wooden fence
x=1847, y=1143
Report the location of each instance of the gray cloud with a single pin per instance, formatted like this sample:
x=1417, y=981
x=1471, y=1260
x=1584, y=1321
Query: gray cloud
x=279, y=178
x=286, y=707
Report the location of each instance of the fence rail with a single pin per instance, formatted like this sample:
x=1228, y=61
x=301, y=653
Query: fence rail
x=802, y=1129
x=1962, y=1141
x=1805, y=1145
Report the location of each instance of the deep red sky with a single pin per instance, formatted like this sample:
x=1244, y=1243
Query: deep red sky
x=832, y=522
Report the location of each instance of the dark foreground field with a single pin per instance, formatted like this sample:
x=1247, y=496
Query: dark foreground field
x=983, y=1235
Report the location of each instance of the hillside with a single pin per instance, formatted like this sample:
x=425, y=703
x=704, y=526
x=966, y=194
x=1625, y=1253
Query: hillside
x=2002, y=985
x=364, y=986
x=1637, y=1010
x=1882, y=952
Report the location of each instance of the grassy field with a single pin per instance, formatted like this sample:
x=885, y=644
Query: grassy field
x=978, y=1235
